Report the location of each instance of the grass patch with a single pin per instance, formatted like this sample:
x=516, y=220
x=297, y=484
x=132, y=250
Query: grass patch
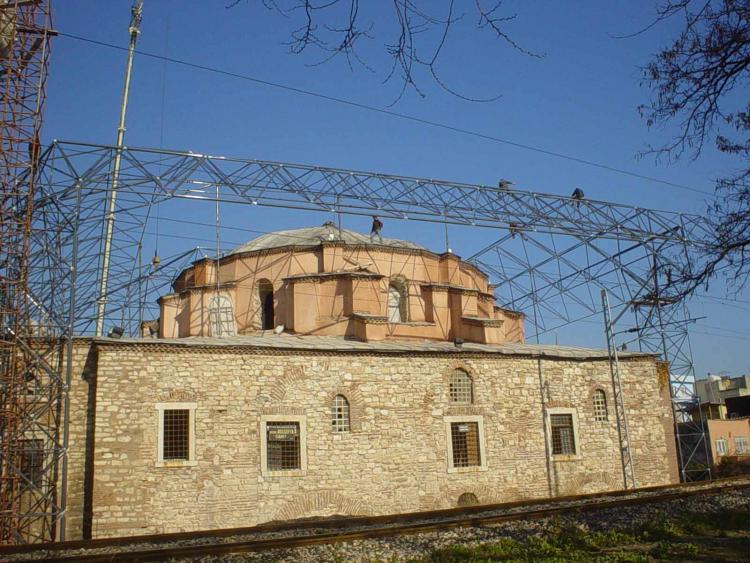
x=693, y=535
x=716, y=523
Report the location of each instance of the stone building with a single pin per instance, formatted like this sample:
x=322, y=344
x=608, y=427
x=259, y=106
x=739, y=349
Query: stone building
x=325, y=374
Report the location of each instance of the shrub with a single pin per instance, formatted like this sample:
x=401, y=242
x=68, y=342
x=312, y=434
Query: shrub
x=731, y=466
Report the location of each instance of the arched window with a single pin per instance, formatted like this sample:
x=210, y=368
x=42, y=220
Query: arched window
x=461, y=388
x=340, y=414
x=265, y=296
x=398, y=310
x=221, y=317
x=600, y=405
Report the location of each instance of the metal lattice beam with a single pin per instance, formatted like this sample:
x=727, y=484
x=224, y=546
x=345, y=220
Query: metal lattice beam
x=553, y=254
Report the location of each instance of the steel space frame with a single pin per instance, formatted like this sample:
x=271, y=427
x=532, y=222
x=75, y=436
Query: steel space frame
x=552, y=257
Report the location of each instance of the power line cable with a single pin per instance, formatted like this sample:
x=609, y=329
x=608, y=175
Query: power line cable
x=392, y=113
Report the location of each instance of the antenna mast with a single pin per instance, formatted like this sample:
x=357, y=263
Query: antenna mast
x=136, y=14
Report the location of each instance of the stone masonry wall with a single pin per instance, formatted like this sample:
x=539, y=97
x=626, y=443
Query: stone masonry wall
x=393, y=460
x=79, y=427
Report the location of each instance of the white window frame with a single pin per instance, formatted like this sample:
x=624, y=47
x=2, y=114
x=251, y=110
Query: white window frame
x=741, y=440
x=576, y=441
x=299, y=419
x=721, y=447
x=448, y=420
x=160, y=461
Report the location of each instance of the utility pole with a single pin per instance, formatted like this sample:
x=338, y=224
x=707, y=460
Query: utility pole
x=136, y=13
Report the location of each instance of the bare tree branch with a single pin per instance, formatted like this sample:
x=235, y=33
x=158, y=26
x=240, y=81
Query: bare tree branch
x=422, y=31
x=698, y=82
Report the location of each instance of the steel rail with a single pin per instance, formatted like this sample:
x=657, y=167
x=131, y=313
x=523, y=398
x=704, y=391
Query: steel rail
x=340, y=529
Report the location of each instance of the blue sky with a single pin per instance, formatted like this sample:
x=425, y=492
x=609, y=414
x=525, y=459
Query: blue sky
x=580, y=99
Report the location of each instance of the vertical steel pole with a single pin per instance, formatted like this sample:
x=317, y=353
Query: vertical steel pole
x=216, y=269
x=549, y=463
x=628, y=470
x=134, y=30
x=69, y=368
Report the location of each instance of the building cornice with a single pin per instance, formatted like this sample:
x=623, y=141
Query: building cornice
x=324, y=276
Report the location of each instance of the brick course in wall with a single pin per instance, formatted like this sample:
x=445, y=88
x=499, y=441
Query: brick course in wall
x=395, y=459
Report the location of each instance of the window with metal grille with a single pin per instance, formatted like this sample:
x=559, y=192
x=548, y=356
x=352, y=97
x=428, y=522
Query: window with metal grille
x=461, y=388
x=176, y=440
x=721, y=446
x=32, y=463
x=465, y=444
x=600, y=405
x=563, y=439
x=282, y=443
x=340, y=414
x=740, y=445
x=221, y=317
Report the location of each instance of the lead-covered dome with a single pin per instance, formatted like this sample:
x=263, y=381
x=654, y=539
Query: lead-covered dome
x=314, y=236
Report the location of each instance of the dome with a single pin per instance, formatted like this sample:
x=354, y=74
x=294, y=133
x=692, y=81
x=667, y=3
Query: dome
x=313, y=236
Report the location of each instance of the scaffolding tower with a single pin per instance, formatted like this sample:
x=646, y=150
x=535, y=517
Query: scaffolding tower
x=31, y=388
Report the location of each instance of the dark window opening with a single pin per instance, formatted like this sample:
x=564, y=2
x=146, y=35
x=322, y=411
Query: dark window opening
x=465, y=442
x=32, y=463
x=176, y=443
x=265, y=292
x=563, y=440
x=468, y=499
x=283, y=446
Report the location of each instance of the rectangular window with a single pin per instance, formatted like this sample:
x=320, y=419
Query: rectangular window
x=563, y=438
x=176, y=438
x=32, y=463
x=176, y=434
x=721, y=446
x=283, y=446
x=465, y=444
x=740, y=445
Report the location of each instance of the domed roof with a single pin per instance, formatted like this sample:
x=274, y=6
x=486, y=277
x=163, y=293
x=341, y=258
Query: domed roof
x=313, y=236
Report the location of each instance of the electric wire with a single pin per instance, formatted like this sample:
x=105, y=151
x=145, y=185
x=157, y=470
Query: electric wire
x=391, y=113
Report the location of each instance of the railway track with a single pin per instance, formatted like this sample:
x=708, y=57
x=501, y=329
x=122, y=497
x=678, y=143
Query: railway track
x=293, y=534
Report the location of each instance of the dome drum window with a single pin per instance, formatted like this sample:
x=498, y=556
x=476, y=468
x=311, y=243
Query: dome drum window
x=221, y=317
x=398, y=309
x=265, y=297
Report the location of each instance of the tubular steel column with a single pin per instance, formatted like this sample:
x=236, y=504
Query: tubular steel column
x=628, y=471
